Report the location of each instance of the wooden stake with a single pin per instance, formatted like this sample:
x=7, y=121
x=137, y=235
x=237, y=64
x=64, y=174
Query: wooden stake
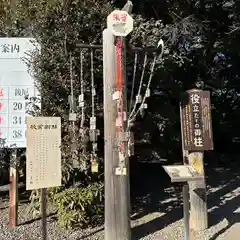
x=186, y=210
x=44, y=213
x=197, y=191
x=13, y=189
x=198, y=195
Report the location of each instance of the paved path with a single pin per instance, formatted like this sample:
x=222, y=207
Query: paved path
x=233, y=233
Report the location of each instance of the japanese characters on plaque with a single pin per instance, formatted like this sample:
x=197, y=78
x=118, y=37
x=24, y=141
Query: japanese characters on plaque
x=120, y=16
x=16, y=47
x=9, y=48
x=43, y=152
x=196, y=125
x=120, y=22
x=17, y=91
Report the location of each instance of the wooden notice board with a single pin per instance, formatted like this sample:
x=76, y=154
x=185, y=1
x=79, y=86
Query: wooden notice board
x=43, y=152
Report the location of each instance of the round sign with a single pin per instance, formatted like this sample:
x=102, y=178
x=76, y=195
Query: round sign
x=120, y=23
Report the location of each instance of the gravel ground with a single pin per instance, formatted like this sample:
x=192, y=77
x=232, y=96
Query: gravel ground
x=223, y=204
x=30, y=229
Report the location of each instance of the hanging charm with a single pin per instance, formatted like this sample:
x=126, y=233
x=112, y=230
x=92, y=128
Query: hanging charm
x=138, y=98
x=94, y=163
x=148, y=93
x=81, y=100
x=94, y=146
x=121, y=169
x=119, y=120
x=131, y=145
x=141, y=110
x=94, y=167
x=123, y=136
x=81, y=96
x=71, y=103
x=93, y=123
x=93, y=92
x=93, y=132
x=84, y=165
x=93, y=135
x=116, y=95
x=72, y=117
x=134, y=111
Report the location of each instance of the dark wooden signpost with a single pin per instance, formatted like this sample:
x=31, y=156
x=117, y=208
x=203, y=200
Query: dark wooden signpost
x=196, y=130
x=195, y=110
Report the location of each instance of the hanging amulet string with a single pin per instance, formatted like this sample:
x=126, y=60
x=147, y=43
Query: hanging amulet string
x=121, y=114
x=93, y=129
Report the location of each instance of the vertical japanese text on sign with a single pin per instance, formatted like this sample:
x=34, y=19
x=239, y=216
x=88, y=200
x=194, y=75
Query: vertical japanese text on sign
x=196, y=120
x=196, y=116
x=43, y=152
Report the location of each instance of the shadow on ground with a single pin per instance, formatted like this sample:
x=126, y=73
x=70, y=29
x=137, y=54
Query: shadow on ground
x=224, y=204
x=151, y=191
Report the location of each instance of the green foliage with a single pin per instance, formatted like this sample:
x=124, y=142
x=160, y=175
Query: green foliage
x=80, y=206
x=35, y=200
x=35, y=205
x=75, y=206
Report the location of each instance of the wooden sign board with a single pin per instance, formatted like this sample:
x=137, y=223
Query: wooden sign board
x=196, y=124
x=182, y=173
x=43, y=152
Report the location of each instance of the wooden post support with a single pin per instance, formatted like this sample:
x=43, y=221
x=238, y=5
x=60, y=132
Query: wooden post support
x=13, y=189
x=186, y=210
x=197, y=189
x=117, y=218
x=44, y=213
x=198, y=195
x=110, y=153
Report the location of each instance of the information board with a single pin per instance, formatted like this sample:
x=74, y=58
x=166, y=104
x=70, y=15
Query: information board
x=182, y=173
x=16, y=90
x=196, y=123
x=43, y=168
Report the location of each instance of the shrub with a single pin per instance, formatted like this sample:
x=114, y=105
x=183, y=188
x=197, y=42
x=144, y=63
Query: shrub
x=80, y=206
x=75, y=206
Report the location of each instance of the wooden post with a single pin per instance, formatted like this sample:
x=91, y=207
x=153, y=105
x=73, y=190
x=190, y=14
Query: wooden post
x=117, y=218
x=197, y=192
x=44, y=213
x=110, y=153
x=13, y=189
x=125, y=211
x=186, y=210
x=197, y=189
x=198, y=195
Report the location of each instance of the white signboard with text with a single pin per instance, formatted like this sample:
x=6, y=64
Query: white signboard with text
x=182, y=173
x=120, y=23
x=17, y=90
x=43, y=168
